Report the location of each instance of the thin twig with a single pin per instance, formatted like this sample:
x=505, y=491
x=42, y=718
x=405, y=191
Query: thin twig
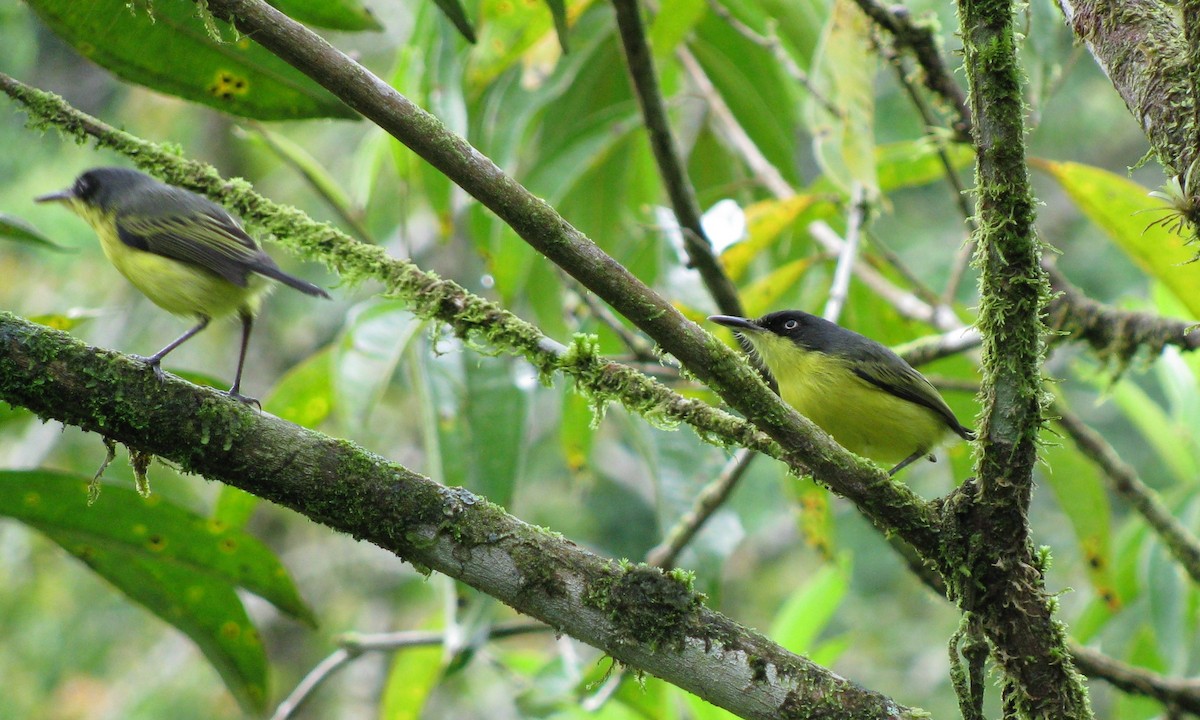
x=1123, y=480
x=762, y=169
x=1181, y=693
x=708, y=500
x=354, y=645
x=641, y=349
x=906, y=303
x=666, y=154
x=962, y=258
x=839, y=289
x=314, y=679
x=921, y=40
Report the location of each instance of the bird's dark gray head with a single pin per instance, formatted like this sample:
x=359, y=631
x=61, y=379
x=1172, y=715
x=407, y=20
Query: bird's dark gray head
x=803, y=329
x=101, y=188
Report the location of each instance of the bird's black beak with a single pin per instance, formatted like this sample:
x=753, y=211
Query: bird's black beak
x=60, y=196
x=737, y=323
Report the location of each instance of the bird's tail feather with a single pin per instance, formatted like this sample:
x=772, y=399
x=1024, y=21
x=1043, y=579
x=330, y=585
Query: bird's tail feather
x=291, y=281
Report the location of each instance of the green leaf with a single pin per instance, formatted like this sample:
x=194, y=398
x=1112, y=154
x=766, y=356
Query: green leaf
x=674, y=20
x=844, y=75
x=1083, y=498
x=349, y=15
x=575, y=432
x=294, y=154
x=457, y=14
x=1141, y=653
x=763, y=295
x=912, y=163
x=496, y=408
x=1126, y=213
x=509, y=32
x=810, y=608
x=558, y=11
x=1175, y=445
x=168, y=47
x=203, y=608
x=366, y=356
x=304, y=395
x=71, y=320
x=14, y=228
x=414, y=674
x=178, y=565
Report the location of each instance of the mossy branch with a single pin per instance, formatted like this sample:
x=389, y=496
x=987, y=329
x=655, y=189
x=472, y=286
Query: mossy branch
x=429, y=296
x=891, y=506
x=996, y=563
x=1140, y=45
x=648, y=619
x=1115, y=335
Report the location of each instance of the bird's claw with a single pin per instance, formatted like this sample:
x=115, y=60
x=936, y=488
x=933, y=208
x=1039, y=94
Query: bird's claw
x=245, y=399
x=155, y=365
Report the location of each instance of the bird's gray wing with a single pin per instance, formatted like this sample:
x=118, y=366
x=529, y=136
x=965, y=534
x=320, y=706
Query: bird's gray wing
x=199, y=233
x=906, y=383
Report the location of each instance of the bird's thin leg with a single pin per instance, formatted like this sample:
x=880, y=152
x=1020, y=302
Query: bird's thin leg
x=909, y=460
x=247, y=326
x=154, y=360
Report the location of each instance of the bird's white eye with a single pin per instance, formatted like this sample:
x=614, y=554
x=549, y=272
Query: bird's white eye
x=791, y=325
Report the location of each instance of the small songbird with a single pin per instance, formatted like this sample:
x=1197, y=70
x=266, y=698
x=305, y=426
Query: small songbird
x=867, y=397
x=184, y=252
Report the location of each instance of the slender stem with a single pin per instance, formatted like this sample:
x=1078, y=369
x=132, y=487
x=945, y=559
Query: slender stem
x=907, y=304
x=839, y=289
x=1123, y=480
x=921, y=40
x=666, y=154
x=708, y=500
x=767, y=174
x=354, y=645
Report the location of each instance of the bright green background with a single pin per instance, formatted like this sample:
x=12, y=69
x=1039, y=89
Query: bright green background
x=820, y=580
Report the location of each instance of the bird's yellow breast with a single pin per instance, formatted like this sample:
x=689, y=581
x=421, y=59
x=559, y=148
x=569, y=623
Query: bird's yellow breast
x=861, y=417
x=174, y=286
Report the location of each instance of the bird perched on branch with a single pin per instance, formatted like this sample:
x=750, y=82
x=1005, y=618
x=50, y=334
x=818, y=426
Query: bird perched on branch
x=183, y=251
x=867, y=397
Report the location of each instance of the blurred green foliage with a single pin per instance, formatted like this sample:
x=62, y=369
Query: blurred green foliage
x=781, y=554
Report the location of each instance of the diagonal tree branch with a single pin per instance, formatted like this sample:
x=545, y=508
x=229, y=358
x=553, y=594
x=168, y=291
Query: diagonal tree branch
x=641, y=616
x=891, y=506
x=1124, y=481
x=1140, y=46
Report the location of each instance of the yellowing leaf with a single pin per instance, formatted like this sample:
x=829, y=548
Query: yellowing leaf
x=762, y=296
x=1125, y=211
x=765, y=222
